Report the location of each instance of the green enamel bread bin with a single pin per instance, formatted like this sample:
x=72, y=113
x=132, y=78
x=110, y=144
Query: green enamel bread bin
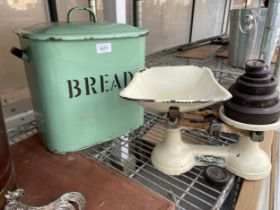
x=75, y=72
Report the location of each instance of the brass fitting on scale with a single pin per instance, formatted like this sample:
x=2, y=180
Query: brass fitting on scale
x=173, y=116
x=257, y=136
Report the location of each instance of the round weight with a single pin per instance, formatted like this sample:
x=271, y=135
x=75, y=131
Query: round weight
x=258, y=74
x=256, y=89
x=252, y=115
x=255, y=65
x=216, y=175
x=262, y=80
x=253, y=100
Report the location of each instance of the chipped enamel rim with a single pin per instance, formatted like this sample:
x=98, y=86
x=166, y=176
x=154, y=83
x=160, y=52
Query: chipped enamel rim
x=138, y=74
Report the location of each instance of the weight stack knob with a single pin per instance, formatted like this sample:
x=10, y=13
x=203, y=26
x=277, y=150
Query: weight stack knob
x=255, y=98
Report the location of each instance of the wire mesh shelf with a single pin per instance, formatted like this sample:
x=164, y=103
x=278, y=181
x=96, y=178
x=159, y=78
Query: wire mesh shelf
x=130, y=156
x=22, y=132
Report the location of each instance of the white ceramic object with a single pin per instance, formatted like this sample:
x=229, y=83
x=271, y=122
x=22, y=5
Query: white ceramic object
x=244, y=158
x=187, y=87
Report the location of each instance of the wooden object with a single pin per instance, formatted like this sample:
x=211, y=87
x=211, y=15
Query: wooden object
x=45, y=176
x=222, y=54
x=157, y=133
x=274, y=151
x=250, y=193
x=201, y=52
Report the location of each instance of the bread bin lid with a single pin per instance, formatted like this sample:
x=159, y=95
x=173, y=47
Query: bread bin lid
x=80, y=31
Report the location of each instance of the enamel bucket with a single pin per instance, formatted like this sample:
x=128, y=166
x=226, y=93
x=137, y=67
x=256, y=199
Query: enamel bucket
x=246, y=32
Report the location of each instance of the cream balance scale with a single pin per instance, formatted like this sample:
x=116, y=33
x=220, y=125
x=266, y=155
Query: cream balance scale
x=250, y=106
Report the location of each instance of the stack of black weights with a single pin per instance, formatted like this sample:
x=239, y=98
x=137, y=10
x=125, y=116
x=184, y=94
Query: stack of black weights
x=255, y=98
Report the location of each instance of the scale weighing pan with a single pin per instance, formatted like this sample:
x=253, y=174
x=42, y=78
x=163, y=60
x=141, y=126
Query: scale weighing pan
x=187, y=87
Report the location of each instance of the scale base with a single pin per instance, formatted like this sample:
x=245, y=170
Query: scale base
x=244, y=158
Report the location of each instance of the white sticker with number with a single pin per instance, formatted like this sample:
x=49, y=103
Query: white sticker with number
x=104, y=48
